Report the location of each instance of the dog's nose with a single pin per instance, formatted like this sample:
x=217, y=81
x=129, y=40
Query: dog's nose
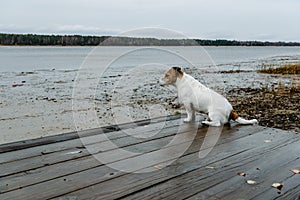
x=160, y=82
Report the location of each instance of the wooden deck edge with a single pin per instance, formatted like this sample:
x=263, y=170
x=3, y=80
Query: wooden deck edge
x=13, y=146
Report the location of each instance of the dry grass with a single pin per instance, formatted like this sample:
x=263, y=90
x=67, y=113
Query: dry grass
x=286, y=69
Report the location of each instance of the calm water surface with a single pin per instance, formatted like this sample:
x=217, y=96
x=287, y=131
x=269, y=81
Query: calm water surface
x=28, y=58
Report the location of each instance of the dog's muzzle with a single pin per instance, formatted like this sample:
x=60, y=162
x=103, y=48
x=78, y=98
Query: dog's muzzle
x=161, y=82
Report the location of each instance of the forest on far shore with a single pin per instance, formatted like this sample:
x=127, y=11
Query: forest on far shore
x=79, y=40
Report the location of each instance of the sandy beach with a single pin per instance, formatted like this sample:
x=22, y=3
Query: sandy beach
x=39, y=106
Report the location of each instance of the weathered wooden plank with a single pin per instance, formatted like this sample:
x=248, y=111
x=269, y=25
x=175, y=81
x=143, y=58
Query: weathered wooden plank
x=127, y=184
x=46, y=173
x=205, y=179
x=65, y=155
x=282, y=175
x=88, y=176
x=32, y=163
x=13, y=182
x=73, y=135
x=293, y=191
x=271, y=164
x=29, y=167
x=77, y=143
x=12, y=156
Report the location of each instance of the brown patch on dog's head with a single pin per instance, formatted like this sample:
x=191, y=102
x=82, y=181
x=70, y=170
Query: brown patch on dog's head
x=171, y=76
x=178, y=71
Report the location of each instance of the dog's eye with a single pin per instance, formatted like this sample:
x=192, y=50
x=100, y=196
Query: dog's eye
x=167, y=75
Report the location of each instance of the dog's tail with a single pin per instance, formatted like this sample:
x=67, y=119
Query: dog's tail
x=234, y=116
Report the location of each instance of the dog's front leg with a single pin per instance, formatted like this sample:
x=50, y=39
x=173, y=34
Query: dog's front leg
x=190, y=113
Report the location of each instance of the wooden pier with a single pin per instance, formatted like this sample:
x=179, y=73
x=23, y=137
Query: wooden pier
x=66, y=166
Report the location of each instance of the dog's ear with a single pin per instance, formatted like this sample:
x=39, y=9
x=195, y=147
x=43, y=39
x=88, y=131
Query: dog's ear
x=178, y=70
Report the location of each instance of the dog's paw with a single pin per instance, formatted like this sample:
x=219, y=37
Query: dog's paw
x=187, y=120
x=212, y=123
x=205, y=122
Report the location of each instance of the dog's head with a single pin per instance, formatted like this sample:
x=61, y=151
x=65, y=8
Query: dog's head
x=171, y=76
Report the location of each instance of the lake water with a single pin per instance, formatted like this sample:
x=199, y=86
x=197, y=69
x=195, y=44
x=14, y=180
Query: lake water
x=29, y=58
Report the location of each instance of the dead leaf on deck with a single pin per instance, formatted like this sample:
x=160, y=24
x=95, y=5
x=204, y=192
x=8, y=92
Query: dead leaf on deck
x=241, y=174
x=251, y=182
x=73, y=152
x=295, y=171
x=278, y=186
x=157, y=167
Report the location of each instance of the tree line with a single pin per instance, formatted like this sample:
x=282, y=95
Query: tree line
x=79, y=40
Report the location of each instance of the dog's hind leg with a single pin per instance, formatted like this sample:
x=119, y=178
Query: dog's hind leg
x=214, y=119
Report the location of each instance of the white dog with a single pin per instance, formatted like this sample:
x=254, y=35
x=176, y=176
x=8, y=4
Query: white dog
x=197, y=97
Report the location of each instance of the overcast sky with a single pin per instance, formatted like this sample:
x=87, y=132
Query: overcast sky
x=271, y=20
